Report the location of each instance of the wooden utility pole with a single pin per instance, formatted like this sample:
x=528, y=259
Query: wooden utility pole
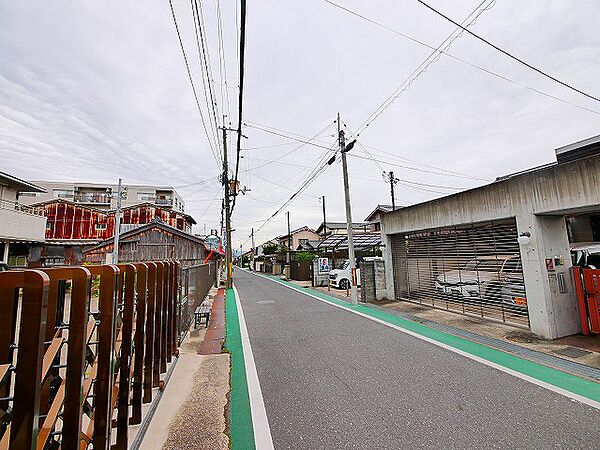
x=351, y=258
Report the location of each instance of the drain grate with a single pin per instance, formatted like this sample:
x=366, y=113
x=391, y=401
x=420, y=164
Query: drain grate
x=572, y=352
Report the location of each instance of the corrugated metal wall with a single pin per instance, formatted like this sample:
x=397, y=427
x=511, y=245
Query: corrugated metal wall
x=471, y=269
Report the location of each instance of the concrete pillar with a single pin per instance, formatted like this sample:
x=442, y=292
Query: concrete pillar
x=5, y=256
x=551, y=298
x=389, y=267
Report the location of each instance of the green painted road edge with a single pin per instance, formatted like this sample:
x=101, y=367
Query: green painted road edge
x=240, y=417
x=555, y=377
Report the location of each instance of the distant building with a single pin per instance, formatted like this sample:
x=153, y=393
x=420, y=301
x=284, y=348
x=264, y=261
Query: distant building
x=103, y=196
x=374, y=219
x=154, y=241
x=71, y=227
x=20, y=226
x=327, y=228
x=299, y=238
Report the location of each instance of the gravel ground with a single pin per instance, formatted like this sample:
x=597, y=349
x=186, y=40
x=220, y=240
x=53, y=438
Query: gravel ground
x=200, y=421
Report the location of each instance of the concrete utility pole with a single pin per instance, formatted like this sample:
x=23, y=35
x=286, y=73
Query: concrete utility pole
x=228, y=251
x=352, y=260
x=288, y=259
x=324, y=218
x=393, y=181
x=241, y=256
x=253, y=250
x=115, y=258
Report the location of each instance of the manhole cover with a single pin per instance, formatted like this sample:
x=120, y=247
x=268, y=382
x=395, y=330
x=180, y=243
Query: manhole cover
x=572, y=352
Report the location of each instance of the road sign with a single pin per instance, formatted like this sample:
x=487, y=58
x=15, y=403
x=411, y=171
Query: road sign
x=212, y=242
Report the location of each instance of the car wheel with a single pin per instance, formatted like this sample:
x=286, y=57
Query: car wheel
x=344, y=284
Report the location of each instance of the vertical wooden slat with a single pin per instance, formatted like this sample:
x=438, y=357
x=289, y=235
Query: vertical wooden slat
x=165, y=321
x=105, y=354
x=167, y=349
x=174, y=307
x=25, y=413
x=160, y=270
x=78, y=315
x=138, y=361
x=150, y=334
x=129, y=271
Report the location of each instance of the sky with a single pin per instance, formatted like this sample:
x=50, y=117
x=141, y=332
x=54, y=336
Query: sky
x=94, y=91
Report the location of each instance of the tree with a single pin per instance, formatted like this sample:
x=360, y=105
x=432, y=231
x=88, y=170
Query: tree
x=270, y=249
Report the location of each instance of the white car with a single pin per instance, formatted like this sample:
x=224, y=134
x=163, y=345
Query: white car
x=341, y=278
x=480, y=278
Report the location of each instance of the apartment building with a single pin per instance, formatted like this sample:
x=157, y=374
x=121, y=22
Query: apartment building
x=102, y=196
x=20, y=225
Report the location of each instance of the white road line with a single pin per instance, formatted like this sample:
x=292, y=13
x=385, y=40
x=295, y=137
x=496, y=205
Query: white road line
x=550, y=387
x=260, y=423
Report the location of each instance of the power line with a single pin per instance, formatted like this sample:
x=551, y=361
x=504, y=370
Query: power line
x=241, y=91
x=304, y=141
x=354, y=155
x=526, y=64
x=456, y=58
x=291, y=151
x=205, y=66
x=222, y=63
x=432, y=58
x=187, y=66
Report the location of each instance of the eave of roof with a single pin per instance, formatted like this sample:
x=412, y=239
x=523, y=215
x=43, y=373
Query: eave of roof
x=21, y=185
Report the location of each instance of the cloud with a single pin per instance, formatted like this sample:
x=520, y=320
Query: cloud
x=98, y=91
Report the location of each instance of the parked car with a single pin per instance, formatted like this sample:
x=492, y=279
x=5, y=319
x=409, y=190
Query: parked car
x=482, y=278
x=3, y=266
x=586, y=254
x=341, y=277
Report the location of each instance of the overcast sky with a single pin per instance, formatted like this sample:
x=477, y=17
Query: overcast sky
x=94, y=91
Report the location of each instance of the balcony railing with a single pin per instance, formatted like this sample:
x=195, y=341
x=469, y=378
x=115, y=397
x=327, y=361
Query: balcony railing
x=92, y=197
x=164, y=201
x=16, y=206
x=108, y=334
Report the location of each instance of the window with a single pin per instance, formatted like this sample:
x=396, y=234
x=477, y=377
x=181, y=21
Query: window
x=62, y=193
x=145, y=196
x=48, y=225
x=28, y=194
x=377, y=226
x=100, y=226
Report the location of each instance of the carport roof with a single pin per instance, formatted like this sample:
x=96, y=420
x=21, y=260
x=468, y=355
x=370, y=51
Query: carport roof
x=361, y=241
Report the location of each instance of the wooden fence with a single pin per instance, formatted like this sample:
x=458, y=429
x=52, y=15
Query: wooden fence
x=81, y=349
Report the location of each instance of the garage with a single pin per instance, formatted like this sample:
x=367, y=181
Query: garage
x=473, y=269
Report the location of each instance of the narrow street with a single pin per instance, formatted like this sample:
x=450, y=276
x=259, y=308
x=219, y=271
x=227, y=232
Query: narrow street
x=334, y=379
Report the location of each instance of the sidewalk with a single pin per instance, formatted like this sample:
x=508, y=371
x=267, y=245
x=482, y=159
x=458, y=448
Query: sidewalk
x=191, y=412
x=578, y=355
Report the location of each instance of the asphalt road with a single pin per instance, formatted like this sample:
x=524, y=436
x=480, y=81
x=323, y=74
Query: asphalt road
x=332, y=379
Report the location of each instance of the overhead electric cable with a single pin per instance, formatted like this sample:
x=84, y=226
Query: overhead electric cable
x=295, y=149
x=241, y=91
x=416, y=169
x=187, y=66
x=432, y=58
x=510, y=55
x=304, y=141
x=205, y=68
x=456, y=58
